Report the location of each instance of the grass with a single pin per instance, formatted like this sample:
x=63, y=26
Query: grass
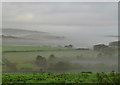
x=31, y=48
x=26, y=59
x=27, y=65
x=49, y=78
x=21, y=57
x=112, y=78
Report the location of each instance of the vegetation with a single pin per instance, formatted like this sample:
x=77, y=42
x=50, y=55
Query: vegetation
x=85, y=77
x=26, y=57
x=32, y=59
x=40, y=61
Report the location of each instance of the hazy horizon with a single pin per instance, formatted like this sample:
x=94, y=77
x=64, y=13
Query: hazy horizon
x=84, y=24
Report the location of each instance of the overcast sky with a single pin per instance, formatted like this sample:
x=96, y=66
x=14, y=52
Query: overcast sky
x=85, y=21
x=74, y=14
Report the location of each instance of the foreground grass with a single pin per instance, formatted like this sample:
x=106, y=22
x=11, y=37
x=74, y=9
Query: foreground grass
x=48, y=78
x=113, y=78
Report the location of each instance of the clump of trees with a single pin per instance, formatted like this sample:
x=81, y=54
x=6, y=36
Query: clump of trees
x=51, y=57
x=41, y=61
x=52, y=64
x=51, y=61
x=69, y=46
x=105, y=50
x=44, y=63
x=100, y=47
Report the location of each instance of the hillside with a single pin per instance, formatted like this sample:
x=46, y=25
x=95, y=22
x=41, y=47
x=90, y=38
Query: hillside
x=21, y=37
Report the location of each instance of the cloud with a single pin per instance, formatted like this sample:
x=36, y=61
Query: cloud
x=82, y=14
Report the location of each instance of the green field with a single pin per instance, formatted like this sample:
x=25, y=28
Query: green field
x=113, y=78
x=25, y=56
x=21, y=57
x=26, y=59
x=31, y=48
x=29, y=53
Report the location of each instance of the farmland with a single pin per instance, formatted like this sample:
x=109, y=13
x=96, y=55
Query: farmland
x=68, y=66
x=59, y=43
x=24, y=57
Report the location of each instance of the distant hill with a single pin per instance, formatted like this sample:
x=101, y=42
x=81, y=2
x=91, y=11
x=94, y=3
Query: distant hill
x=18, y=32
x=29, y=37
x=7, y=36
x=111, y=36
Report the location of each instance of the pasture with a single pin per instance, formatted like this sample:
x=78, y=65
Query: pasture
x=24, y=57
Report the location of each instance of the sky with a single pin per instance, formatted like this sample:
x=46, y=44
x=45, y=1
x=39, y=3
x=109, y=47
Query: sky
x=63, y=18
x=59, y=0
x=58, y=13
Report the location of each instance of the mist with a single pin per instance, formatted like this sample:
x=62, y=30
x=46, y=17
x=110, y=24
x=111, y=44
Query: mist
x=83, y=24
x=65, y=32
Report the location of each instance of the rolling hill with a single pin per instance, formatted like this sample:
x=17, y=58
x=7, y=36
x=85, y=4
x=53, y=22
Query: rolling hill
x=21, y=37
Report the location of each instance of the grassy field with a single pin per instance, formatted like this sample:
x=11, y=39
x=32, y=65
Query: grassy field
x=25, y=58
x=113, y=78
x=21, y=57
x=31, y=48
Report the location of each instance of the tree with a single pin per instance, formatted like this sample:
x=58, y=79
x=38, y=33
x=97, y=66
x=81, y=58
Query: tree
x=51, y=61
x=100, y=47
x=70, y=46
x=51, y=57
x=41, y=61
